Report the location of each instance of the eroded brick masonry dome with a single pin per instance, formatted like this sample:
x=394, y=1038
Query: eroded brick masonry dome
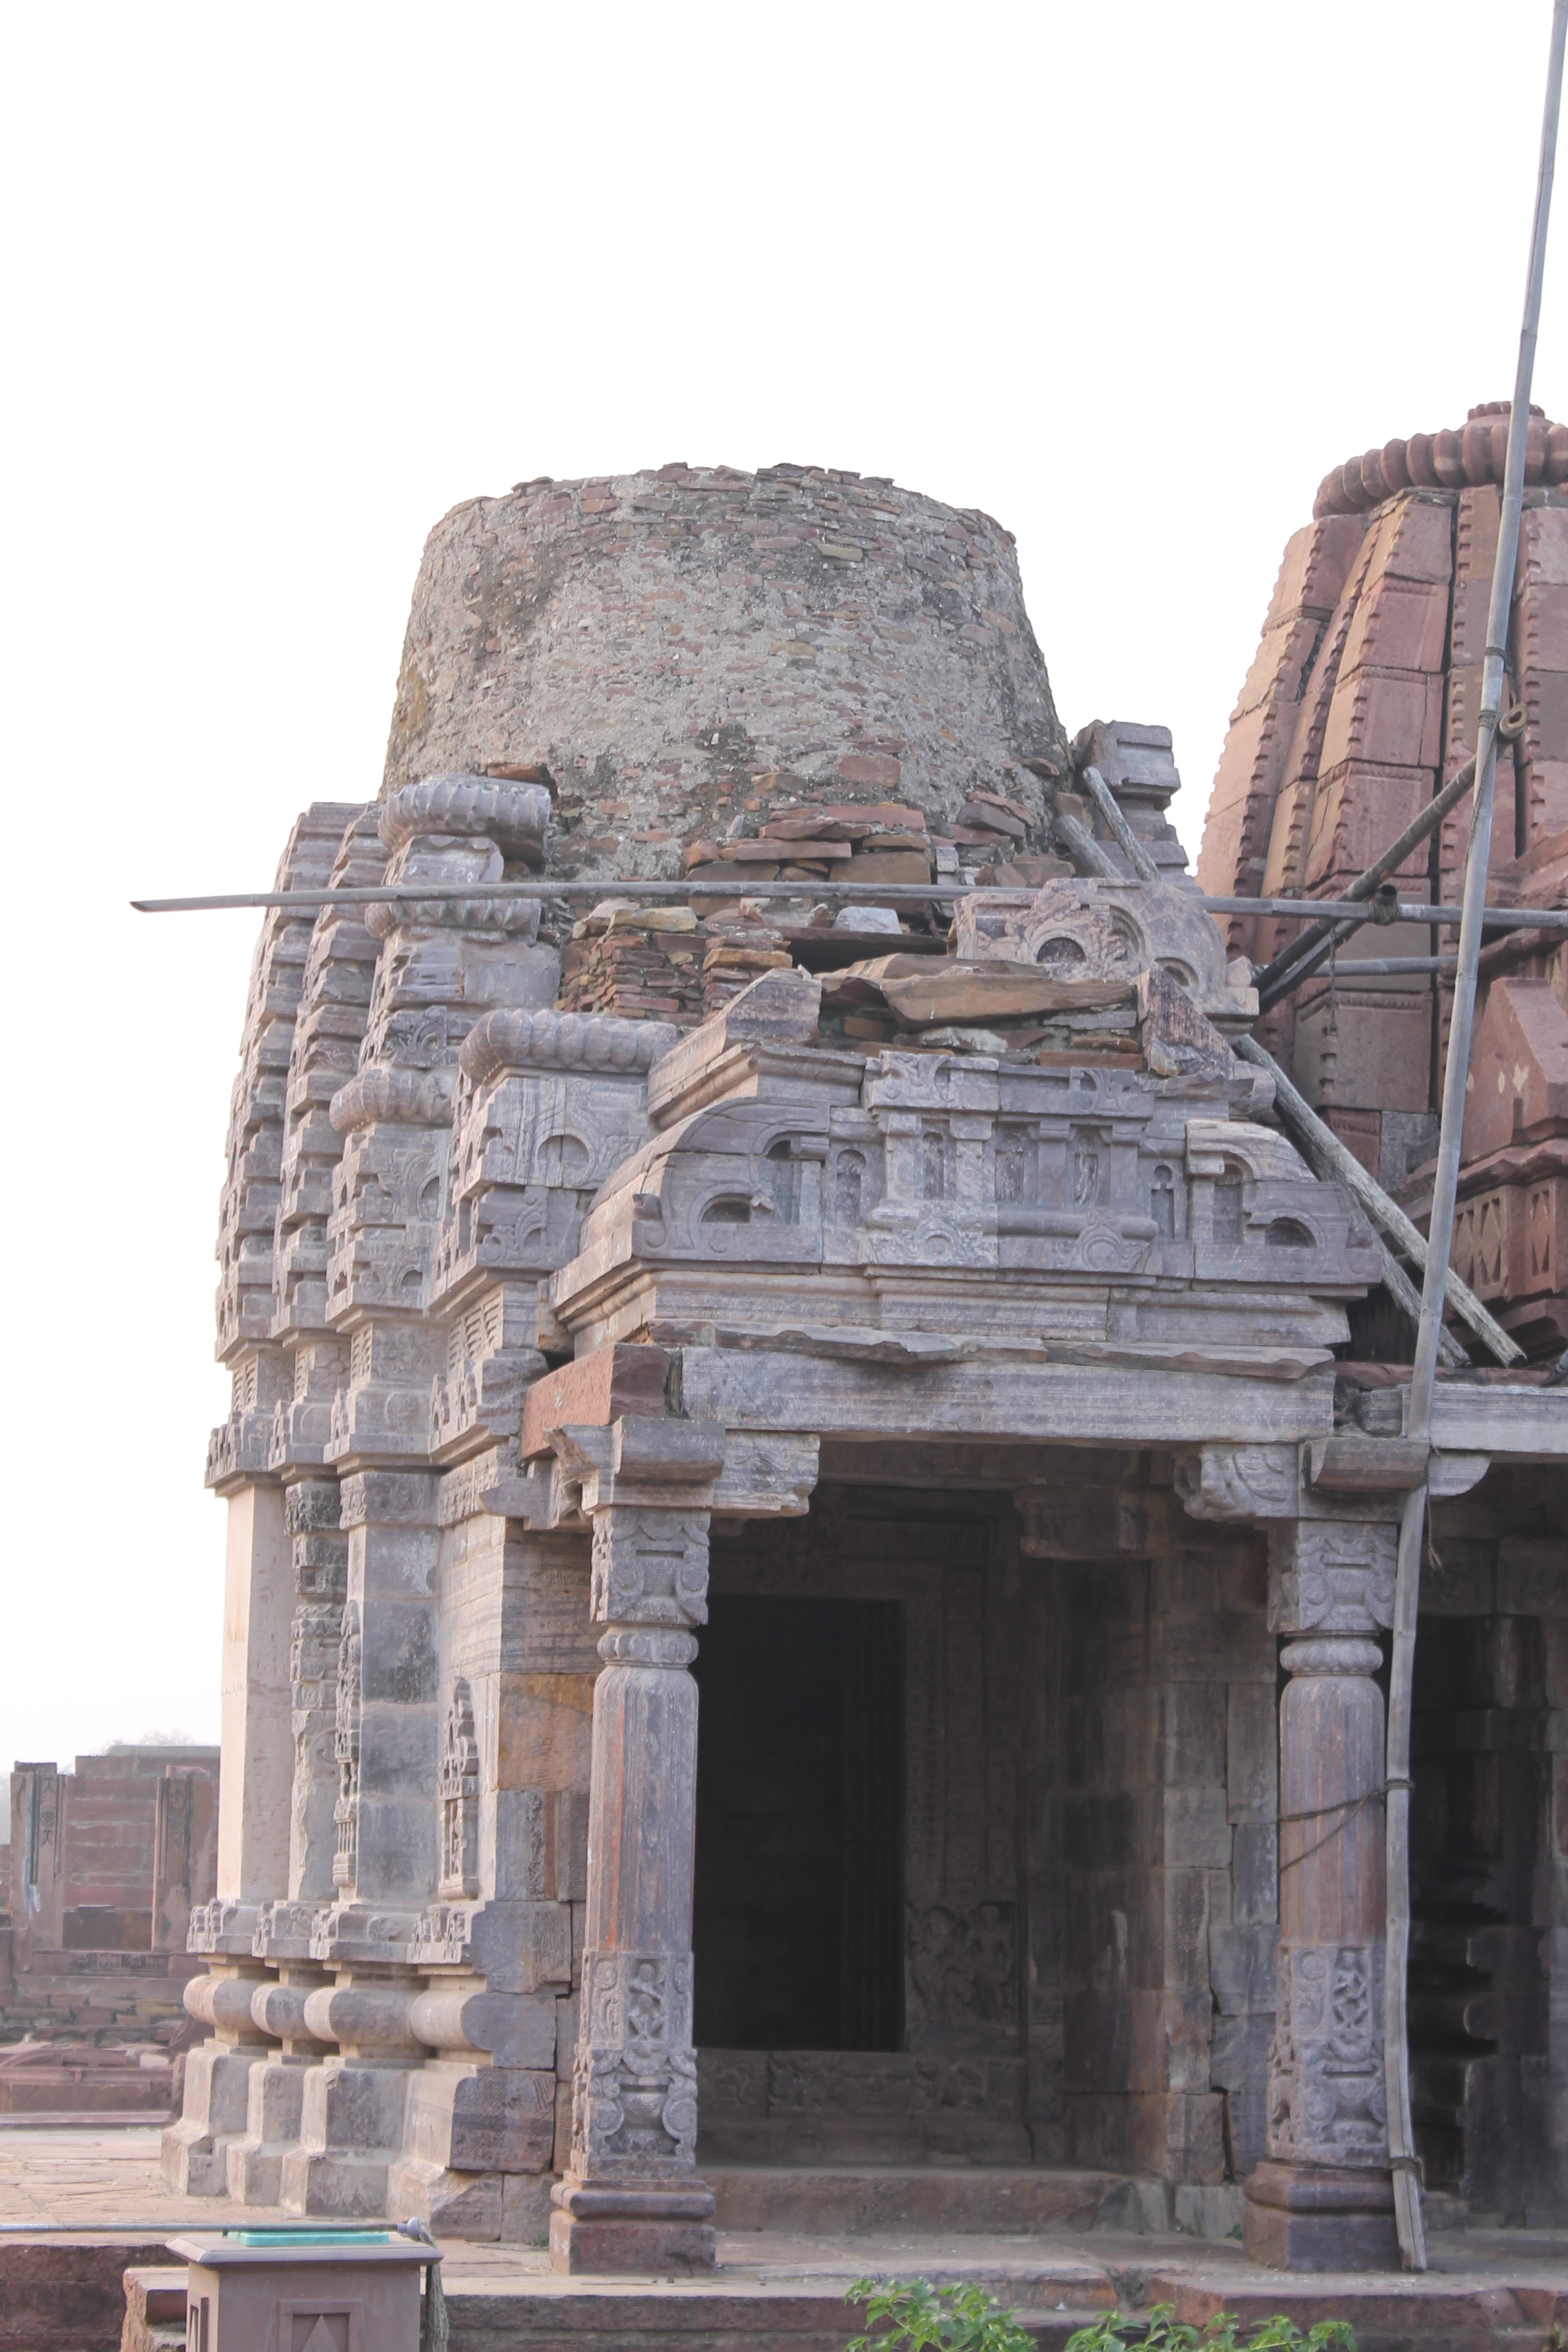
x=660, y=639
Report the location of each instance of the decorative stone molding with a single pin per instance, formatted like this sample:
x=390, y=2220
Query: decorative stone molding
x=507, y=1039
x=1444, y=461
x=395, y=1097
x=514, y=816
x=1240, y=1482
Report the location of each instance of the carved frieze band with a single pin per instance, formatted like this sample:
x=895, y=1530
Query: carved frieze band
x=634, y=2107
x=1326, y=2098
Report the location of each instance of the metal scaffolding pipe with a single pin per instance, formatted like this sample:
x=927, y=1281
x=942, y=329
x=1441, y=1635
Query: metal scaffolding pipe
x=1445, y=1192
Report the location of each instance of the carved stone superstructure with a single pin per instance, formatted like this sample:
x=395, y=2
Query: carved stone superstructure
x=928, y=1355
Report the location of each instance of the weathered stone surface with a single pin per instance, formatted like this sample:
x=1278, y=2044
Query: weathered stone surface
x=663, y=640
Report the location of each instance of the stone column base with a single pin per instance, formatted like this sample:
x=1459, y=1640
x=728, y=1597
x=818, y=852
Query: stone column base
x=254, y=2165
x=351, y=2134
x=631, y=2226
x=1302, y=2217
x=196, y=2147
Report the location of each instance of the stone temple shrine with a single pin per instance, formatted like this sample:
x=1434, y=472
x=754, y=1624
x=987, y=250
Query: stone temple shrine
x=916, y=1335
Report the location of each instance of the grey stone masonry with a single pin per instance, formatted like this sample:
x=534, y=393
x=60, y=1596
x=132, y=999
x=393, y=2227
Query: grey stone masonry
x=934, y=1358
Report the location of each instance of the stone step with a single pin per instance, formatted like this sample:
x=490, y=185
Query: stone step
x=992, y=2200
x=1388, y=2313
x=154, y=2309
x=66, y=2294
x=644, y=2319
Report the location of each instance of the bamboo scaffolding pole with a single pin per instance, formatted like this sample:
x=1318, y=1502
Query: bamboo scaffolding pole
x=1440, y=1224
x=1329, y=1157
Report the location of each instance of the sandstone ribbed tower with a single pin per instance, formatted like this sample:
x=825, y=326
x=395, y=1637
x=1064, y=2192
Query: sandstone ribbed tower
x=660, y=639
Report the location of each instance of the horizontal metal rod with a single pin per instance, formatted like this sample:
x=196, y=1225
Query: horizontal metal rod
x=1353, y=968
x=880, y=894
x=1368, y=883
x=1289, y=977
x=173, y=2226
x=849, y=893
x=1403, y=910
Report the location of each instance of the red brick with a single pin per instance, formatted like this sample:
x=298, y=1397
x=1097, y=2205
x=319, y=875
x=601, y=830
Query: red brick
x=1397, y=624
x=1317, y=560
x=1391, y=717
x=877, y=768
x=1412, y=541
x=1356, y=814
x=597, y=1388
x=1543, y=547
x=1476, y=534
x=1276, y=672
x=1540, y=629
x=1251, y=760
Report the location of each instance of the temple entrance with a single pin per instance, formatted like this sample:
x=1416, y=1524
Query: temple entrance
x=799, y=1890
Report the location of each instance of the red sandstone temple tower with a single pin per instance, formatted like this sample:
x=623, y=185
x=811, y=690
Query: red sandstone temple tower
x=1359, y=704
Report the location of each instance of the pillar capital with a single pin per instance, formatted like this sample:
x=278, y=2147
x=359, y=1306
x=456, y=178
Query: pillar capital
x=649, y=1569
x=1331, y=1576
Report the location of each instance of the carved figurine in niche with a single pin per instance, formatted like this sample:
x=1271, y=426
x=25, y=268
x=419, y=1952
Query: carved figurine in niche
x=942, y=1972
x=458, y=1788
x=992, y=1942
x=961, y=1966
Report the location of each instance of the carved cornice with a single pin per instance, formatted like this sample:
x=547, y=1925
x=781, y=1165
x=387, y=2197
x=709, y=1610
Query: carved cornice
x=395, y=1097
x=1444, y=461
x=514, y=816
x=507, y=1039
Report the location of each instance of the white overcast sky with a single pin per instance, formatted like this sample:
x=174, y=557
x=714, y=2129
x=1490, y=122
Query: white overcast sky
x=287, y=283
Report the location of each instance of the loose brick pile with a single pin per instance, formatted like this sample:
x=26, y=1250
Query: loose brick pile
x=657, y=963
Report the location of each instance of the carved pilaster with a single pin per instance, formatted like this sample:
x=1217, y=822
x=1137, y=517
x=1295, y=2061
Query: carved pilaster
x=1322, y=2198
x=632, y=2198
x=320, y=1588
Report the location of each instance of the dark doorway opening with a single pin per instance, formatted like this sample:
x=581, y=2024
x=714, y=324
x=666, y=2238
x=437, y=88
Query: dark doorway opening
x=799, y=1893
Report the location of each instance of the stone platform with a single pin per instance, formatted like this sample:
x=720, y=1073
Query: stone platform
x=1057, y=2257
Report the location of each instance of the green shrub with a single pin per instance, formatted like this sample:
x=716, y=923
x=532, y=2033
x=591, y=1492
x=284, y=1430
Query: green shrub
x=913, y=2314
x=1158, y=2331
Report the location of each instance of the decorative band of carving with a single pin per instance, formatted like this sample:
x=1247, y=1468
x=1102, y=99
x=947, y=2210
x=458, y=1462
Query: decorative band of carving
x=311, y=1506
x=646, y=1646
x=514, y=816
x=634, y=2105
x=510, y=1040
x=390, y=1498
x=512, y=918
x=1444, y=461
x=399, y=1097
x=1331, y=1657
x=1326, y=2101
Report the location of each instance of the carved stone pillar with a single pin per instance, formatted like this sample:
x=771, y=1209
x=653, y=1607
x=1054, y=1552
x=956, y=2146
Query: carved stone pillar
x=632, y=2200
x=1322, y=2198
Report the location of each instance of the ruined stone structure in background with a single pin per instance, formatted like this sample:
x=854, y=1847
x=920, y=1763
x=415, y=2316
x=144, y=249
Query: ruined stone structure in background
x=913, y=1331
x=105, y=1864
